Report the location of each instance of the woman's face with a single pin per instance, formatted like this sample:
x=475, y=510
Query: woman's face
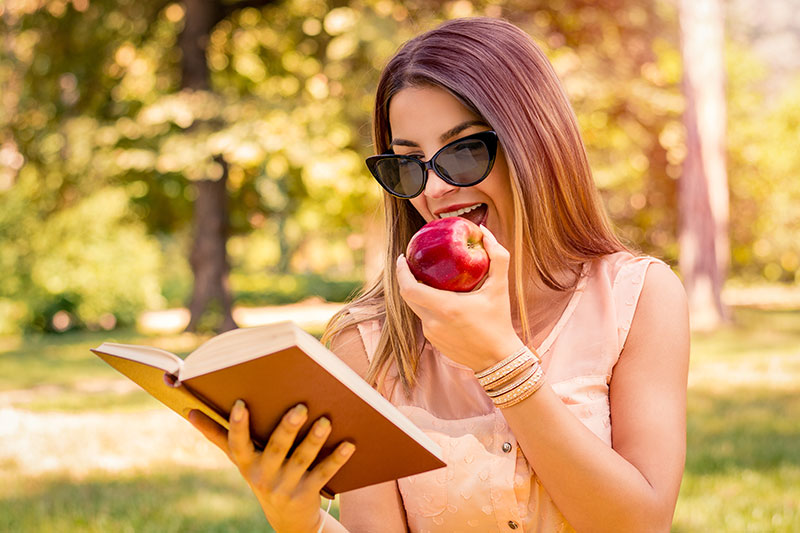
x=423, y=119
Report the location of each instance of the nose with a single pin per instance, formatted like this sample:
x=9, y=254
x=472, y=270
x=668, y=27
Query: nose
x=436, y=187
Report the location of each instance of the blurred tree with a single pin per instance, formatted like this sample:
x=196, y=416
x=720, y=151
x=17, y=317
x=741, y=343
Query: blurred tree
x=66, y=230
x=705, y=246
x=209, y=256
x=620, y=66
x=99, y=96
x=127, y=101
x=300, y=167
x=763, y=70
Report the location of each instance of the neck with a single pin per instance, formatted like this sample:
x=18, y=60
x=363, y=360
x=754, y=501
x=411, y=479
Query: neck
x=542, y=303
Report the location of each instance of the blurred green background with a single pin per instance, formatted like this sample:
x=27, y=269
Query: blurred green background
x=101, y=150
x=107, y=136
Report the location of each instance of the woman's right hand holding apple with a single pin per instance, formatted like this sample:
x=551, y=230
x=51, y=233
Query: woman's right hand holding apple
x=286, y=490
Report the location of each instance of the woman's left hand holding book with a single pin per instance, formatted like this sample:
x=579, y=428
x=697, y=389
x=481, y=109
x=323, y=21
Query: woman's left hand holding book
x=288, y=492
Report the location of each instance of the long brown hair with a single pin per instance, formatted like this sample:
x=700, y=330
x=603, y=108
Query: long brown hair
x=495, y=70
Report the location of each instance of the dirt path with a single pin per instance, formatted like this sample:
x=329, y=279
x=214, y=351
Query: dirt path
x=307, y=314
x=33, y=444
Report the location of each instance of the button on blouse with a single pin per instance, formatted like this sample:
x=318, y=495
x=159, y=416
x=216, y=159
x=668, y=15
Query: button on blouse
x=485, y=487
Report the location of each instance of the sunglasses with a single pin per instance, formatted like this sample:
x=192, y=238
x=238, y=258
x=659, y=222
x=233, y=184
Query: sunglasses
x=463, y=163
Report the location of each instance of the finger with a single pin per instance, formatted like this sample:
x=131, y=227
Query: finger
x=241, y=447
x=171, y=380
x=304, y=455
x=283, y=437
x=405, y=279
x=415, y=293
x=210, y=430
x=321, y=474
x=499, y=257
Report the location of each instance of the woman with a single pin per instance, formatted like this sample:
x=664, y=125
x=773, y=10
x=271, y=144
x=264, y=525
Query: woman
x=590, y=434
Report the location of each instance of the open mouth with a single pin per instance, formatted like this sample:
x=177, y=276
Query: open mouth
x=476, y=213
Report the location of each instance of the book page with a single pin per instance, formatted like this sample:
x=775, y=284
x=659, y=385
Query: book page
x=149, y=355
x=237, y=346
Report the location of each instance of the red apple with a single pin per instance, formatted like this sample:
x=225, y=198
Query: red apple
x=448, y=254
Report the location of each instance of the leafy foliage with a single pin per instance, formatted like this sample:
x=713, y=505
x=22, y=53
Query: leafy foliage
x=91, y=112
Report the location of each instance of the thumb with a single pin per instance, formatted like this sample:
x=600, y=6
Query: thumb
x=499, y=257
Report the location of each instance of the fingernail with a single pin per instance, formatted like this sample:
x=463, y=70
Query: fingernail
x=347, y=448
x=297, y=414
x=237, y=413
x=321, y=427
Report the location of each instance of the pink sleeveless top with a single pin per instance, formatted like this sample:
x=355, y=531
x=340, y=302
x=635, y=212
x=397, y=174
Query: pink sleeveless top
x=488, y=484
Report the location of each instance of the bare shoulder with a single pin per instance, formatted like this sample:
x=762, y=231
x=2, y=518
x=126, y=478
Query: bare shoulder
x=658, y=340
x=656, y=350
x=662, y=310
x=649, y=383
x=662, y=283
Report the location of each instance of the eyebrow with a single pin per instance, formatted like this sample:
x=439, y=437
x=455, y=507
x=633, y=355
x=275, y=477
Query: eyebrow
x=452, y=132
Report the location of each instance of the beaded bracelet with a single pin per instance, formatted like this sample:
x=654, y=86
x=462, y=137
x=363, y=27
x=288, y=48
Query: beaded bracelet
x=513, y=376
x=499, y=370
x=521, y=360
x=484, y=373
x=522, y=392
x=522, y=378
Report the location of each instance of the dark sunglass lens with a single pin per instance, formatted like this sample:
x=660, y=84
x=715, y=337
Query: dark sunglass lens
x=401, y=176
x=465, y=162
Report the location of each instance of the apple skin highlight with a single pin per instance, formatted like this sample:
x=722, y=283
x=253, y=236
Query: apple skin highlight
x=448, y=254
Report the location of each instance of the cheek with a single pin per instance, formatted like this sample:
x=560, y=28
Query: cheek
x=421, y=207
x=498, y=185
x=500, y=168
x=499, y=190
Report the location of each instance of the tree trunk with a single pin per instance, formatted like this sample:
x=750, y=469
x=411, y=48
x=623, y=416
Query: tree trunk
x=703, y=187
x=209, y=257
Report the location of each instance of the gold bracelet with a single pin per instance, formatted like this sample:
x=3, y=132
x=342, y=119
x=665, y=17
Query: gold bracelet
x=512, y=376
x=498, y=375
x=521, y=393
x=517, y=388
x=525, y=376
x=485, y=373
x=499, y=370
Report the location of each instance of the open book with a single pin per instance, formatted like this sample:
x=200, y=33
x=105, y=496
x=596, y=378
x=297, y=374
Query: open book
x=272, y=368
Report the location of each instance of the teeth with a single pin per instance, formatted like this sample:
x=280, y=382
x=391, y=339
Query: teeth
x=458, y=212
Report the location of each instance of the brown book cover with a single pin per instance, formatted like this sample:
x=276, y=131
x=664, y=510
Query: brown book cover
x=272, y=368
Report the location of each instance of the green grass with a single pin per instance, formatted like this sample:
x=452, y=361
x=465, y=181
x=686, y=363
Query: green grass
x=142, y=502
x=743, y=436
x=174, y=501
x=743, y=462
x=742, y=468
x=61, y=374
x=754, y=339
